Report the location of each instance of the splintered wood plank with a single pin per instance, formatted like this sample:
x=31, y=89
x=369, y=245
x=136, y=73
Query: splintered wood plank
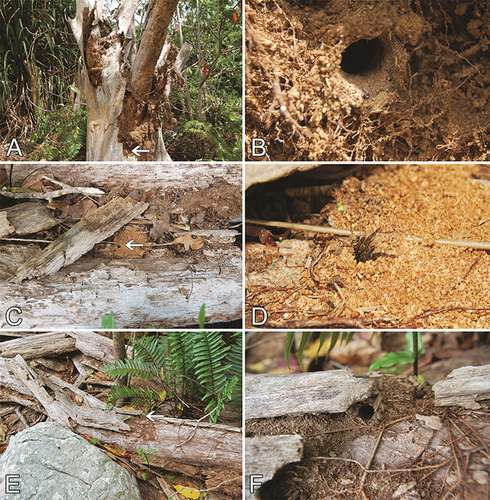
x=464, y=387
x=36, y=346
x=81, y=238
x=151, y=176
x=320, y=392
x=26, y=218
x=177, y=441
x=61, y=408
x=164, y=292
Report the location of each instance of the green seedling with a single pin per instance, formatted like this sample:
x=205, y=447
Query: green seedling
x=147, y=455
x=411, y=355
x=202, y=317
x=108, y=322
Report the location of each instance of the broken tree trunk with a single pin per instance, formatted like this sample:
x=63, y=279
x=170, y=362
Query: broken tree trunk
x=125, y=93
x=81, y=238
x=140, y=292
x=328, y=392
x=464, y=387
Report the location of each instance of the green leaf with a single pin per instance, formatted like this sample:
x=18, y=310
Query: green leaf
x=77, y=91
x=392, y=358
x=333, y=341
x=304, y=340
x=409, y=340
x=108, y=322
x=323, y=336
x=287, y=347
x=202, y=317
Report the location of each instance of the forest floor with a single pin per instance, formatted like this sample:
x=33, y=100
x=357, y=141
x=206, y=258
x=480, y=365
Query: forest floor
x=427, y=451
x=397, y=273
x=368, y=80
x=83, y=376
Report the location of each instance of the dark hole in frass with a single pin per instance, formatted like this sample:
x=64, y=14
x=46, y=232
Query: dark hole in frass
x=362, y=56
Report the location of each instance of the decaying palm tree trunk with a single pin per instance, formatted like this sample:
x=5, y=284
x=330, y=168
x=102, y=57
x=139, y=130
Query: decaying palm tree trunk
x=126, y=87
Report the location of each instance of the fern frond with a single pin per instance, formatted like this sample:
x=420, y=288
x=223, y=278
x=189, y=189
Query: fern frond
x=209, y=353
x=139, y=396
x=181, y=354
x=153, y=350
x=134, y=367
x=235, y=358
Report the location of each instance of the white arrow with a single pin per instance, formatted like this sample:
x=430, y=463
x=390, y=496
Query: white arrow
x=152, y=417
x=130, y=245
x=137, y=150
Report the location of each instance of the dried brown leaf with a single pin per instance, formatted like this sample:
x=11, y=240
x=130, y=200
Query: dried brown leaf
x=189, y=242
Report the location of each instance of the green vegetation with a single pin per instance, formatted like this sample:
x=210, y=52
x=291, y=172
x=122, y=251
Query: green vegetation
x=38, y=58
x=59, y=136
x=108, y=322
x=411, y=355
x=147, y=455
x=193, y=367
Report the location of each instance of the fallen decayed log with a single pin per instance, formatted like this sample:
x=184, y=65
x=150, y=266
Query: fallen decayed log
x=36, y=346
x=161, y=292
x=464, y=387
x=139, y=176
x=186, y=442
x=178, y=440
x=81, y=238
x=328, y=392
x=158, y=291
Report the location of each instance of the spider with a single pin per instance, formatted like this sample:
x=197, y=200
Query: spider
x=364, y=251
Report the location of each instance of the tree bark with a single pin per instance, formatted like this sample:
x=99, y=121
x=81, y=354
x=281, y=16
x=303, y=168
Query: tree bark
x=124, y=105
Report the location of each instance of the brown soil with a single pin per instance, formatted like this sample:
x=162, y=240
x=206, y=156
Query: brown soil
x=403, y=283
x=368, y=79
x=437, y=461
x=185, y=208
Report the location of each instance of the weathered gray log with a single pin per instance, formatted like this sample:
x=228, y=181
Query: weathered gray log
x=36, y=346
x=94, y=345
x=140, y=292
x=26, y=218
x=464, y=387
x=62, y=409
x=81, y=238
x=319, y=392
x=265, y=455
x=215, y=446
x=148, y=176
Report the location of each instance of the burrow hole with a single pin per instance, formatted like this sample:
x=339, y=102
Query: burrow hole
x=362, y=56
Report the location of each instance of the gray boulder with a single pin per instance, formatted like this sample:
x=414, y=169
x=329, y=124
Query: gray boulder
x=54, y=463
